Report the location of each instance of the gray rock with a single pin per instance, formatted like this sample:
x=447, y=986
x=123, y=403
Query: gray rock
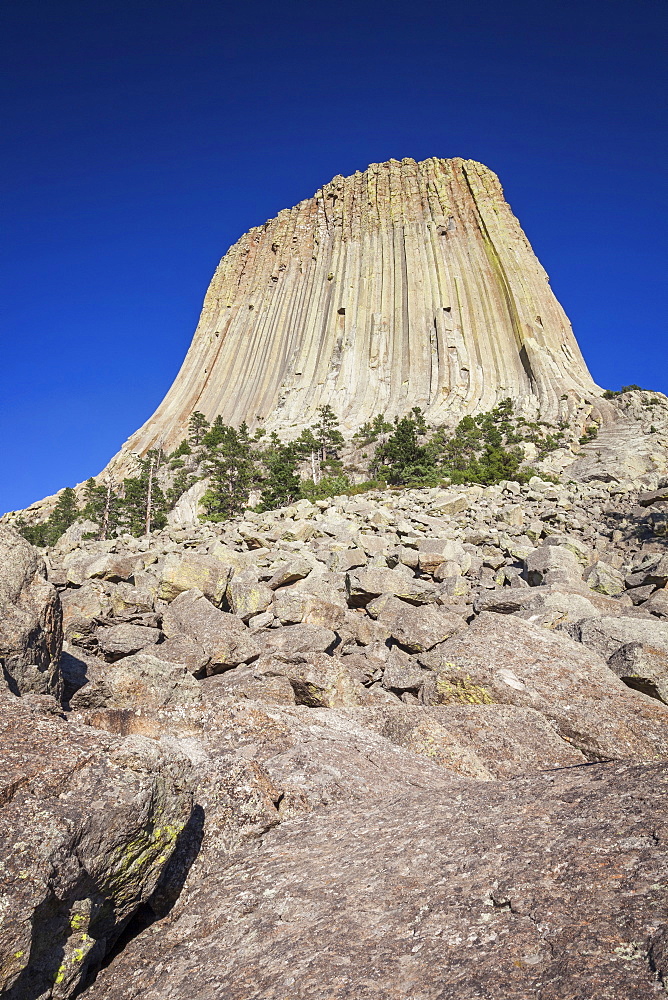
x=605, y=579
x=116, y=641
x=30, y=619
x=183, y=649
x=296, y=639
x=552, y=564
x=247, y=598
x=138, y=680
x=223, y=637
x=504, y=659
x=418, y=629
x=450, y=888
x=606, y=635
x=642, y=667
x=658, y=603
x=364, y=585
x=289, y=572
x=88, y=823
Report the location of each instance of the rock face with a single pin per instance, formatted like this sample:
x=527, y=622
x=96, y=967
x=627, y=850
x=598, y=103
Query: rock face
x=410, y=284
x=30, y=619
x=530, y=889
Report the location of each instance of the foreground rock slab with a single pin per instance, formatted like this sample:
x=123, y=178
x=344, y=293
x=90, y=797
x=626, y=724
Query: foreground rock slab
x=551, y=885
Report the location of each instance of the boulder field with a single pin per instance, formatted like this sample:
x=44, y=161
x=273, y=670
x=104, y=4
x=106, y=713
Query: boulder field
x=407, y=744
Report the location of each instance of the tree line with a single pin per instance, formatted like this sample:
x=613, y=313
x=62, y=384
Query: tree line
x=407, y=452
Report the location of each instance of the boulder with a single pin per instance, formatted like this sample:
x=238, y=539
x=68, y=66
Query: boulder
x=642, y=667
x=658, y=603
x=507, y=660
x=446, y=888
x=183, y=649
x=366, y=584
x=81, y=607
x=183, y=571
x=605, y=579
x=247, y=597
x=289, y=572
x=247, y=682
x=296, y=639
x=116, y=641
x=432, y=552
x=418, y=629
x=31, y=633
x=223, y=637
x=317, y=680
x=140, y=680
x=403, y=673
x=88, y=823
x=606, y=635
x=476, y=741
x=552, y=564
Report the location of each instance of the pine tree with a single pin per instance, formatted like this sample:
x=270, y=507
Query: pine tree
x=230, y=465
x=64, y=513
x=144, y=506
x=402, y=459
x=282, y=486
x=327, y=433
x=198, y=425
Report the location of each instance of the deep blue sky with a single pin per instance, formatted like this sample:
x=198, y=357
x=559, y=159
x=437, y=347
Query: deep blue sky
x=140, y=139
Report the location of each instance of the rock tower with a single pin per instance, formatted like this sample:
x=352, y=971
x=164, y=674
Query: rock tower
x=410, y=284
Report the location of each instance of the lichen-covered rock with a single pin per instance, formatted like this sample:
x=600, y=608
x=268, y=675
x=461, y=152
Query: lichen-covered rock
x=503, y=659
x=184, y=571
x=605, y=579
x=248, y=597
x=547, y=885
x=30, y=618
x=87, y=825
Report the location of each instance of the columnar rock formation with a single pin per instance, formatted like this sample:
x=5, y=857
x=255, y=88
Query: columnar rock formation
x=411, y=284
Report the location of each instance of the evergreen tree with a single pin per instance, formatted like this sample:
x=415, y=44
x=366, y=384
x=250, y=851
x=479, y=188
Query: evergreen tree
x=327, y=433
x=144, y=505
x=198, y=425
x=308, y=445
x=402, y=459
x=182, y=482
x=64, y=513
x=61, y=517
x=230, y=465
x=282, y=486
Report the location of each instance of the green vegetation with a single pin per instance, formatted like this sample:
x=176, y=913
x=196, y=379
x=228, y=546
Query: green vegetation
x=262, y=469
x=611, y=393
x=61, y=517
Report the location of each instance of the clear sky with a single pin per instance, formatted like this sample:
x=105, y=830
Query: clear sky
x=140, y=138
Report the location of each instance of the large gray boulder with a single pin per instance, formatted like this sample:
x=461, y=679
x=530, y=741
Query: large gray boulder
x=142, y=681
x=30, y=619
x=501, y=658
x=547, y=885
x=88, y=823
x=223, y=637
x=606, y=635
